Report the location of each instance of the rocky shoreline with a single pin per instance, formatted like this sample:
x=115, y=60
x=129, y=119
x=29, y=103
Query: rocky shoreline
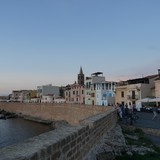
x=7, y=115
x=114, y=144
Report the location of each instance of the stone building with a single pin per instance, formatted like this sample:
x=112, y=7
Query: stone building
x=74, y=93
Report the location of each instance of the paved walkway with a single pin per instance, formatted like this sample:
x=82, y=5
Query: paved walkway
x=145, y=121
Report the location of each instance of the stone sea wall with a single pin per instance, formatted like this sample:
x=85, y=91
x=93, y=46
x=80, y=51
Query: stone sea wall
x=63, y=143
x=71, y=113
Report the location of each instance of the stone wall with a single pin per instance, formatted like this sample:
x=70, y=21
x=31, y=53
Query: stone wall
x=64, y=143
x=71, y=113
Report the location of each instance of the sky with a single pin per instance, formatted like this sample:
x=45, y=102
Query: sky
x=47, y=41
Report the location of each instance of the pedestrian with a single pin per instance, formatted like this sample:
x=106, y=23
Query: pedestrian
x=126, y=111
x=119, y=111
x=154, y=112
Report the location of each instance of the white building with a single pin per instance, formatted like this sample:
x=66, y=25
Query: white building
x=98, y=91
x=90, y=88
x=47, y=99
x=101, y=94
x=105, y=93
x=59, y=100
x=34, y=100
x=47, y=89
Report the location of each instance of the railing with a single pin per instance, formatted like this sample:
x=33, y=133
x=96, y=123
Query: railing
x=132, y=97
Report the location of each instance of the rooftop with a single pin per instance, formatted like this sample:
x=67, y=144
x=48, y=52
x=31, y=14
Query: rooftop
x=97, y=73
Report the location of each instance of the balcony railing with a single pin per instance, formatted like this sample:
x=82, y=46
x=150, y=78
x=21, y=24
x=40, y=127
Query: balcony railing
x=131, y=97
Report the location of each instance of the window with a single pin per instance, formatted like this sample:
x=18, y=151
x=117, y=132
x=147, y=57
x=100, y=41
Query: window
x=102, y=86
x=110, y=95
x=82, y=91
x=73, y=92
x=133, y=95
x=122, y=94
x=106, y=86
x=94, y=86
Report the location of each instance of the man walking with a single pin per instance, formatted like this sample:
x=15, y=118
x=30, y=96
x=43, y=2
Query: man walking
x=154, y=112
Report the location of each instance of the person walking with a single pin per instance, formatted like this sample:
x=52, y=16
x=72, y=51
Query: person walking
x=154, y=112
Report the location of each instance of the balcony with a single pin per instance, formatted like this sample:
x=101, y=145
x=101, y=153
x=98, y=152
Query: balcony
x=131, y=97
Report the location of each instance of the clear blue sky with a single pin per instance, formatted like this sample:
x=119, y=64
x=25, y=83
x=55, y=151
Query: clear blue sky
x=46, y=41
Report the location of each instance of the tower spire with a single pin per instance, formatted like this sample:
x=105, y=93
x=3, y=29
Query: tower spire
x=81, y=71
x=81, y=77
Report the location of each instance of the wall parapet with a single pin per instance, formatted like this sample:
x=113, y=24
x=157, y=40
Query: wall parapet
x=68, y=142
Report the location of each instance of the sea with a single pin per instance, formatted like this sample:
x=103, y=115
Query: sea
x=16, y=130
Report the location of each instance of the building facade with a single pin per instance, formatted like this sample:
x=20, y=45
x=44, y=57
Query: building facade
x=128, y=92
x=157, y=85
x=74, y=93
x=48, y=89
x=98, y=91
x=47, y=98
x=81, y=77
x=15, y=95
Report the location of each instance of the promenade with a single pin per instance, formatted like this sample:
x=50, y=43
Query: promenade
x=145, y=121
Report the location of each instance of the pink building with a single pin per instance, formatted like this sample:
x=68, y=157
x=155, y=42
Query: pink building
x=74, y=93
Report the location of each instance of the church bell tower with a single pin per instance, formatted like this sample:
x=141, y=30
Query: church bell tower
x=81, y=77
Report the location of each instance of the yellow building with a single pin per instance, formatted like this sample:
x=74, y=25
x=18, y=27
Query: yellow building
x=128, y=92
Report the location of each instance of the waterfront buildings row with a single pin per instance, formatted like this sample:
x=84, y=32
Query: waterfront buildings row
x=94, y=90
x=130, y=91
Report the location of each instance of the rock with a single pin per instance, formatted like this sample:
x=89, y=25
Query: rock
x=140, y=149
x=131, y=137
x=112, y=144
